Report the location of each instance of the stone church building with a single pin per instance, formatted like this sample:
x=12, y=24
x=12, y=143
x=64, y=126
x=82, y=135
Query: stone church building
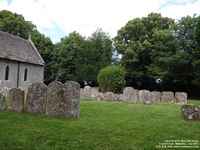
x=20, y=62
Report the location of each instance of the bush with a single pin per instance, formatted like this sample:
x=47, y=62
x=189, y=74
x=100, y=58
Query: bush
x=111, y=79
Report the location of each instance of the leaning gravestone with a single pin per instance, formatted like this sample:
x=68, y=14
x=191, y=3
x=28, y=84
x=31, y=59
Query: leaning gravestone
x=73, y=98
x=130, y=95
x=16, y=100
x=181, y=97
x=145, y=97
x=2, y=102
x=36, y=98
x=190, y=112
x=167, y=97
x=156, y=96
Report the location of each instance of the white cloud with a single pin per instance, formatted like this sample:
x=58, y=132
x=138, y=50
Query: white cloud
x=85, y=16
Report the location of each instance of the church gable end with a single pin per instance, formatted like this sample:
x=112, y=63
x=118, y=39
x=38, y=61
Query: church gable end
x=20, y=62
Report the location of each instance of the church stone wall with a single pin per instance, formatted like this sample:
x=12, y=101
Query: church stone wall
x=35, y=73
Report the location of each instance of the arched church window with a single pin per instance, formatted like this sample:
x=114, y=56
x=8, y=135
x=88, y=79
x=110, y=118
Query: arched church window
x=7, y=73
x=25, y=74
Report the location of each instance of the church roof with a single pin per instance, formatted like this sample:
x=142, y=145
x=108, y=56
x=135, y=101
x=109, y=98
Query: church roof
x=18, y=49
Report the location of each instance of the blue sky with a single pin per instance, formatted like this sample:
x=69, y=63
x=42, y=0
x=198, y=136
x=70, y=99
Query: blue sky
x=57, y=18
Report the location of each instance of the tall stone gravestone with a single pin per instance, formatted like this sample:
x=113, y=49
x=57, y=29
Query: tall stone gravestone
x=63, y=99
x=181, y=97
x=16, y=100
x=36, y=98
x=2, y=102
x=56, y=99
x=130, y=95
x=145, y=97
x=73, y=99
x=167, y=97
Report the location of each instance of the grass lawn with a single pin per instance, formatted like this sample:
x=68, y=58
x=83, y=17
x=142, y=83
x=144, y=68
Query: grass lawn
x=102, y=125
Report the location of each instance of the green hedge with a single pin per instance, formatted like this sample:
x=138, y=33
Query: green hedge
x=111, y=79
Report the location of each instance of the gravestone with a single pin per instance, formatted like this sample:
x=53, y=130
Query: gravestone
x=36, y=98
x=2, y=102
x=156, y=96
x=109, y=96
x=63, y=99
x=145, y=97
x=73, y=98
x=86, y=93
x=56, y=99
x=130, y=95
x=100, y=96
x=190, y=112
x=167, y=97
x=16, y=100
x=181, y=97
x=117, y=97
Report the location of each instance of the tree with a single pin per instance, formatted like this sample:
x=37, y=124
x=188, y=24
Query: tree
x=112, y=79
x=135, y=43
x=66, y=57
x=15, y=24
x=196, y=80
x=80, y=59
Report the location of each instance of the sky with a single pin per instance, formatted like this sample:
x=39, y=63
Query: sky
x=58, y=18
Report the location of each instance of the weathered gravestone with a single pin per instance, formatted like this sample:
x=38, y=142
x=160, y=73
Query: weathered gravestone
x=145, y=97
x=16, y=100
x=117, y=97
x=156, y=96
x=73, y=98
x=2, y=102
x=109, y=96
x=36, y=98
x=86, y=93
x=130, y=95
x=100, y=96
x=190, y=112
x=181, y=97
x=63, y=99
x=167, y=97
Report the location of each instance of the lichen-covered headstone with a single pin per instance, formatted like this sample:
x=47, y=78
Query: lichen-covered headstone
x=156, y=96
x=145, y=97
x=2, y=102
x=36, y=98
x=72, y=95
x=181, y=97
x=167, y=97
x=16, y=100
x=56, y=99
x=109, y=96
x=63, y=99
x=130, y=95
x=190, y=112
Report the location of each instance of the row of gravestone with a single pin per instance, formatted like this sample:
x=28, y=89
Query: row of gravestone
x=56, y=99
x=131, y=95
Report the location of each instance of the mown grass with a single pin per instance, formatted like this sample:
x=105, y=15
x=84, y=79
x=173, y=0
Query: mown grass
x=101, y=126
